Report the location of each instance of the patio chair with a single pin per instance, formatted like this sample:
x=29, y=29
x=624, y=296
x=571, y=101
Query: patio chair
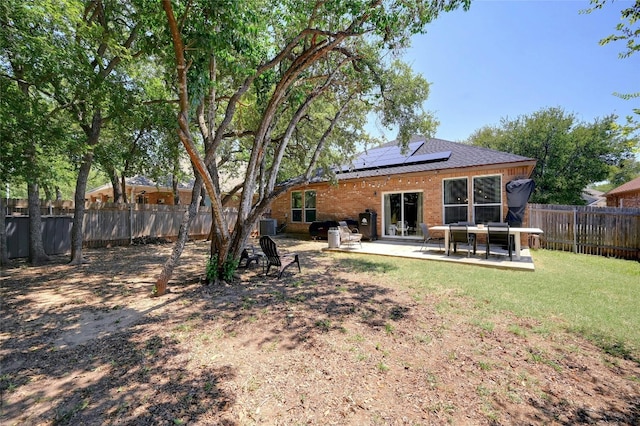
x=249, y=254
x=459, y=234
x=472, y=235
x=498, y=235
x=347, y=236
x=402, y=228
x=281, y=262
x=427, y=237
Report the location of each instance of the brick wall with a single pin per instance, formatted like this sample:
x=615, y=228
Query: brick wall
x=630, y=199
x=348, y=198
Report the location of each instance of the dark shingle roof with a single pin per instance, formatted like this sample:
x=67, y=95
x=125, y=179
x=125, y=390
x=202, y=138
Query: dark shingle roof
x=462, y=156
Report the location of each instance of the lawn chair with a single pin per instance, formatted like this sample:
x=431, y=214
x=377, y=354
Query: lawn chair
x=428, y=238
x=270, y=250
x=459, y=234
x=347, y=236
x=249, y=254
x=498, y=235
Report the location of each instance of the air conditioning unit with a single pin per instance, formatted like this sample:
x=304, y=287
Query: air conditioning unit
x=268, y=226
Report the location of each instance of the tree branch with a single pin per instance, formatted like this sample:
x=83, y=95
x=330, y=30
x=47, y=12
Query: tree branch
x=183, y=120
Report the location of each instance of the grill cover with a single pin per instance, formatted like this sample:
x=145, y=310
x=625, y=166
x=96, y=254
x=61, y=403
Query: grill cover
x=518, y=193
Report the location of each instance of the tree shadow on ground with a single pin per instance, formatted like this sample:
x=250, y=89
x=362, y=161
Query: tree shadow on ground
x=123, y=379
x=76, y=346
x=319, y=299
x=140, y=371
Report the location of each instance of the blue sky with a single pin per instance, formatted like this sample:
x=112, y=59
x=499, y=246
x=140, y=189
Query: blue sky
x=510, y=58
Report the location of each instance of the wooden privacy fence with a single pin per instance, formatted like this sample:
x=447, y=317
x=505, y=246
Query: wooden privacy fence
x=121, y=223
x=604, y=231
x=110, y=224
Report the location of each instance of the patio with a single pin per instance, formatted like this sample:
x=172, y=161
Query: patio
x=497, y=259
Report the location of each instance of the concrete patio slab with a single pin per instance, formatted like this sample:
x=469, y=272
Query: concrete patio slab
x=414, y=250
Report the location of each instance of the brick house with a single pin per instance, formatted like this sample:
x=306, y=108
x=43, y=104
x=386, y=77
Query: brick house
x=142, y=190
x=626, y=195
x=435, y=181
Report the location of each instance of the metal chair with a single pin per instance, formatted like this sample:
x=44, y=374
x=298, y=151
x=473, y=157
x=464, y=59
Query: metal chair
x=472, y=235
x=459, y=234
x=427, y=238
x=498, y=235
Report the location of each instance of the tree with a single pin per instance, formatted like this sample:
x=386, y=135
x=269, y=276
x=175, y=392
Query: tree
x=273, y=81
x=75, y=53
x=33, y=144
x=570, y=155
x=31, y=131
x=142, y=142
x=627, y=31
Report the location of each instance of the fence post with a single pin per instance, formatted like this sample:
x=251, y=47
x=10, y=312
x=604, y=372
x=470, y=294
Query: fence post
x=130, y=223
x=575, y=231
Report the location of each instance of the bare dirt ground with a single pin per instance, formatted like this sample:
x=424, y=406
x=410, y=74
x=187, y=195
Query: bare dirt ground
x=337, y=344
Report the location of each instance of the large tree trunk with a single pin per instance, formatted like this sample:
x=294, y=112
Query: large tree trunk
x=4, y=255
x=48, y=194
x=124, y=190
x=174, y=188
x=183, y=234
x=37, y=256
x=117, y=187
x=77, y=233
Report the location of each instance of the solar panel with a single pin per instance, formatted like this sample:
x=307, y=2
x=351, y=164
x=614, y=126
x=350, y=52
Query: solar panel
x=392, y=156
x=428, y=158
x=365, y=159
x=383, y=157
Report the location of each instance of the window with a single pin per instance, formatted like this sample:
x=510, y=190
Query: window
x=309, y=206
x=487, y=199
x=303, y=205
x=296, y=206
x=456, y=200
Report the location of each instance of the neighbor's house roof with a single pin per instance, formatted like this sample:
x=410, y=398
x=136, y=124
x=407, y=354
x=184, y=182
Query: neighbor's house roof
x=593, y=197
x=631, y=186
x=426, y=155
x=143, y=182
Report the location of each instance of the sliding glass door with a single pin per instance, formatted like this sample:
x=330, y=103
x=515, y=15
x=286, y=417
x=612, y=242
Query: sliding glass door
x=402, y=214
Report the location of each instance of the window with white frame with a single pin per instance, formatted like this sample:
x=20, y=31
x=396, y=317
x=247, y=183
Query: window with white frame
x=456, y=200
x=487, y=199
x=303, y=206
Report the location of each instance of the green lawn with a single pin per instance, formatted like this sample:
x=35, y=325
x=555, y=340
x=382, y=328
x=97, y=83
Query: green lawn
x=594, y=296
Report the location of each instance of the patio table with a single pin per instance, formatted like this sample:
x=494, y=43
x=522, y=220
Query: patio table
x=516, y=232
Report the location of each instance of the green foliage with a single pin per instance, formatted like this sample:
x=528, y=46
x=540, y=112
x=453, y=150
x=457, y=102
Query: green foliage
x=273, y=90
x=35, y=141
x=224, y=271
x=570, y=155
x=73, y=63
x=279, y=89
x=628, y=32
